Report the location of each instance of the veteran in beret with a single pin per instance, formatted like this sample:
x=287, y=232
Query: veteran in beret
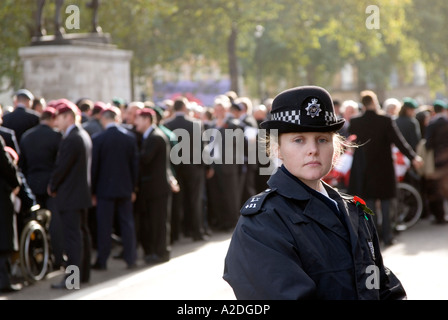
x=70, y=185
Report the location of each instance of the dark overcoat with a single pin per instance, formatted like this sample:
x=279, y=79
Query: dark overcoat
x=9, y=180
x=71, y=178
x=372, y=174
x=39, y=146
x=20, y=120
x=114, y=163
x=290, y=244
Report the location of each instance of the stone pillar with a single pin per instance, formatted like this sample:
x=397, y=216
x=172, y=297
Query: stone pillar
x=77, y=68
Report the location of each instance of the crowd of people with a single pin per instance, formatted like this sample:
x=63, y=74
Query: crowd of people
x=383, y=132
x=105, y=171
x=150, y=173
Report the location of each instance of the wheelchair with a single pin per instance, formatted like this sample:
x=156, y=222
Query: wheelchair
x=34, y=246
x=34, y=260
x=410, y=202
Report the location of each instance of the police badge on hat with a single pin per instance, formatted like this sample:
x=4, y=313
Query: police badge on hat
x=313, y=108
x=303, y=109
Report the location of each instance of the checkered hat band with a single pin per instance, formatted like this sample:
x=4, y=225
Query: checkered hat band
x=330, y=117
x=294, y=117
x=287, y=116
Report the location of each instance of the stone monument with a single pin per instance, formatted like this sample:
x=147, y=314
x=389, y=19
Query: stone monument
x=75, y=65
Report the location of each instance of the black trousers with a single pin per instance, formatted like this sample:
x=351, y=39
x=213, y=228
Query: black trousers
x=153, y=221
x=4, y=272
x=77, y=240
x=436, y=199
x=191, y=181
x=105, y=209
x=223, y=195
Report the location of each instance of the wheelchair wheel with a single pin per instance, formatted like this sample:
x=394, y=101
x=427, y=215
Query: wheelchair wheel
x=409, y=206
x=34, y=252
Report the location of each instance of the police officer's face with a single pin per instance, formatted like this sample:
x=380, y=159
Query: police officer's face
x=307, y=155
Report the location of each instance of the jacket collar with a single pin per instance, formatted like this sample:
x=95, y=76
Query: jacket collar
x=351, y=218
x=287, y=186
x=317, y=209
x=70, y=129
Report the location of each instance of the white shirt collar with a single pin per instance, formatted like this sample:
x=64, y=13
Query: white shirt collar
x=148, y=132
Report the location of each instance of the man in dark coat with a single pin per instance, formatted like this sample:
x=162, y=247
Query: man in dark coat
x=23, y=117
x=408, y=124
x=155, y=185
x=9, y=180
x=40, y=147
x=372, y=174
x=190, y=169
x=93, y=124
x=70, y=185
x=8, y=135
x=436, y=140
x=114, y=182
x=249, y=170
x=227, y=156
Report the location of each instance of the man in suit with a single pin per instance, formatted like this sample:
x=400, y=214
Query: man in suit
x=9, y=181
x=22, y=118
x=129, y=119
x=114, y=181
x=93, y=124
x=190, y=169
x=408, y=124
x=155, y=186
x=8, y=135
x=70, y=185
x=249, y=168
x=227, y=156
x=40, y=147
x=372, y=175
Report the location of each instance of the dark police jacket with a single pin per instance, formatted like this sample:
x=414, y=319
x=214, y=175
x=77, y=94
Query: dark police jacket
x=289, y=243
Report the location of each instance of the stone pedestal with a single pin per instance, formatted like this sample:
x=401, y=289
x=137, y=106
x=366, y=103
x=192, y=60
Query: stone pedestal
x=77, y=66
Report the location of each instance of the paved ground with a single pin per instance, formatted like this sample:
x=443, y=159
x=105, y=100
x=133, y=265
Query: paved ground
x=419, y=259
x=194, y=272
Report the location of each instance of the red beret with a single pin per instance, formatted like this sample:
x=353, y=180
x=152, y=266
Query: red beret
x=52, y=103
x=64, y=105
x=99, y=106
x=110, y=108
x=50, y=111
x=146, y=112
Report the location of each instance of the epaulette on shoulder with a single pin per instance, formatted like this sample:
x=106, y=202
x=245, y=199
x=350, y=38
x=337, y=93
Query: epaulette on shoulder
x=255, y=203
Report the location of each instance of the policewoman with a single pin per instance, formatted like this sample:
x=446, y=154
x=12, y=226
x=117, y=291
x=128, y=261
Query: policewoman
x=300, y=238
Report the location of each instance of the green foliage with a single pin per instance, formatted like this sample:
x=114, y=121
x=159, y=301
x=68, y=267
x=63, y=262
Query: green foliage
x=303, y=41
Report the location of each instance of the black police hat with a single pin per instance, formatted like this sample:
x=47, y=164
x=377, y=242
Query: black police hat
x=303, y=109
